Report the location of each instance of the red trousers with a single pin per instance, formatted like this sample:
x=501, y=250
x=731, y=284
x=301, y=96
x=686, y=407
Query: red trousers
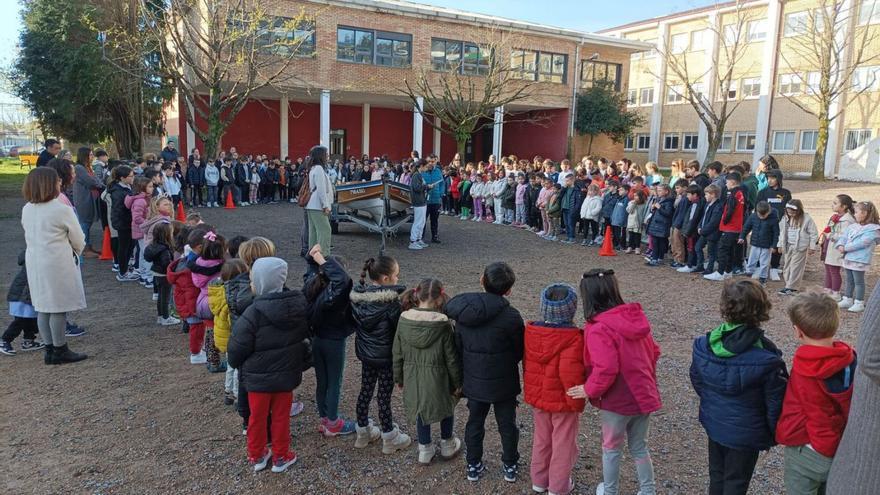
x=196, y=337
x=261, y=404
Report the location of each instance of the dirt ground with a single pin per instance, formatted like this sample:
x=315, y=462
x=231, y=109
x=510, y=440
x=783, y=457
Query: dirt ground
x=136, y=417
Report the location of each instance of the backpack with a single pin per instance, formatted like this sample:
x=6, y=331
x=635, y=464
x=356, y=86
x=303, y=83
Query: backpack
x=305, y=191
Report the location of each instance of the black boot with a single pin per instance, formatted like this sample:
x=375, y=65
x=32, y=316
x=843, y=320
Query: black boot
x=64, y=355
x=49, y=357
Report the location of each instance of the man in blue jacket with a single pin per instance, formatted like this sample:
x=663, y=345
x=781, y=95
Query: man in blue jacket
x=433, y=179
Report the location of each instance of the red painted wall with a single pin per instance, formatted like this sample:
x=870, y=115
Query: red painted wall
x=549, y=139
x=349, y=118
x=255, y=129
x=304, y=128
x=390, y=132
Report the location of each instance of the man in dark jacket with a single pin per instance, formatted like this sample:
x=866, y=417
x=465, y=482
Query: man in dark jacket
x=489, y=335
x=51, y=149
x=242, y=175
x=708, y=230
x=419, y=201
x=169, y=153
x=270, y=347
x=120, y=219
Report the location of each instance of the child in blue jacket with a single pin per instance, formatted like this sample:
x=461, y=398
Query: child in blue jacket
x=659, y=225
x=619, y=217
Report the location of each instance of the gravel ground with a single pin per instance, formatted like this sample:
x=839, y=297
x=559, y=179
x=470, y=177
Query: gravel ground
x=136, y=417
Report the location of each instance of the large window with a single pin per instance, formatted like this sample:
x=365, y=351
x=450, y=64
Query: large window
x=670, y=142
x=751, y=87
x=287, y=37
x=679, y=43
x=632, y=97
x=646, y=96
x=539, y=66
x=373, y=47
x=745, y=142
x=699, y=39
x=812, y=83
x=629, y=142
x=675, y=94
x=783, y=141
x=789, y=84
x=855, y=138
x=726, y=142
x=731, y=91
x=808, y=141
x=600, y=72
x=869, y=12
x=461, y=57
x=866, y=78
x=643, y=142
x=691, y=142
x=758, y=30
x=653, y=51
x=796, y=23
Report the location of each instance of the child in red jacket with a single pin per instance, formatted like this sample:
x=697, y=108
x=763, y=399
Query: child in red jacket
x=620, y=357
x=816, y=405
x=553, y=363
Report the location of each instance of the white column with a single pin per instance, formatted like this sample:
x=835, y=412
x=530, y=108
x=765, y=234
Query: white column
x=709, y=86
x=365, y=129
x=418, y=125
x=190, y=132
x=325, y=118
x=497, y=133
x=834, y=150
x=437, y=135
x=768, y=74
x=284, y=113
x=659, y=91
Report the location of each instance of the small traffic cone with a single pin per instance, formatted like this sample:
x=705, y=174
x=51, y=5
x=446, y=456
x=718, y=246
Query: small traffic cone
x=181, y=215
x=106, y=250
x=607, y=244
x=230, y=205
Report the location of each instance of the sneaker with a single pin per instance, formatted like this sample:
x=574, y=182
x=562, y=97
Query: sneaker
x=450, y=447
x=31, y=345
x=738, y=271
x=774, y=275
x=341, y=427
x=115, y=268
x=676, y=264
x=414, y=246
x=394, y=440
x=74, y=331
x=423, y=244
x=845, y=302
x=199, y=358
x=715, y=276
x=260, y=463
x=538, y=489
x=281, y=463
x=600, y=488
x=586, y=243
x=652, y=263
x=427, y=453
x=510, y=472
x=149, y=285
x=228, y=399
x=785, y=291
x=6, y=348
x=475, y=471
x=857, y=307
x=684, y=269
x=128, y=277
x=541, y=233
x=366, y=435
x=296, y=408
x=155, y=296
x=168, y=322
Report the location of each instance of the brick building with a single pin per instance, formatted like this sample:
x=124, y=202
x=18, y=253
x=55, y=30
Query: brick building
x=356, y=55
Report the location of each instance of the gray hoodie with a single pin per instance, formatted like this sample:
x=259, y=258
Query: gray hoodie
x=268, y=275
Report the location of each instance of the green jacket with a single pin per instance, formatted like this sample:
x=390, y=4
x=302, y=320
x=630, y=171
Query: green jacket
x=426, y=363
x=751, y=186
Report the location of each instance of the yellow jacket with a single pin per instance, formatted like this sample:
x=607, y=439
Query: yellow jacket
x=220, y=310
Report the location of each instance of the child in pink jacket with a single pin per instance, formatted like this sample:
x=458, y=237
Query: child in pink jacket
x=139, y=204
x=620, y=356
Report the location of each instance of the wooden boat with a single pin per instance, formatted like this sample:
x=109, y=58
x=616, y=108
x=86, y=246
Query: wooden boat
x=380, y=206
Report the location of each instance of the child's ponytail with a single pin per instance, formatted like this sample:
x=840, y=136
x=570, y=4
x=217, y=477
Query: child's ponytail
x=368, y=265
x=376, y=268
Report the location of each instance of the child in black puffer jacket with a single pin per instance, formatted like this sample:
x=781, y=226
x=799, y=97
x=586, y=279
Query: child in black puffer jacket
x=375, y=306
x=160, y=255
x=24, y=317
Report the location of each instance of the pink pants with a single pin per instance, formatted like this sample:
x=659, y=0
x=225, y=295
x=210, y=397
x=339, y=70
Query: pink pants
x=554, y=449
x=478, y=207
x=833, y=280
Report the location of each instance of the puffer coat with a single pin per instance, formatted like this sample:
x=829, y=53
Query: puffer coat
x=553, y=363
x=375, y=310
x=238, y=296
x=185, y=292
x=220, y=310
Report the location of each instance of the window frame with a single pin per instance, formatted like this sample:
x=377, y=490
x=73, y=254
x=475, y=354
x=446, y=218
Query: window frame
x=702, y=34
x=674, y=97
x=804, y=24
x=793, y=84
x=774, y=149
x=632, y=98
x=863, y=72
x=673, y=136
x=653, y=51
x=374, y=49
x=695, y=141
x=588, y=83
x=751, y=82
x=745, y=134
x=641, y=98
x=734, y=87
x=676, y=50
x=865, y=135
x=801, y=148
x=728, y=136
x=538, y=75
x=811, y=87
x=753, y=36
x=638, y=142
x=629, y=138
x=278, y=30
x=874, y=13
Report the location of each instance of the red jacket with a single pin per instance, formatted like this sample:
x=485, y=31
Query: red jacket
x=733, y=214
x=816, y=404
x=453, y=189
x=620, y=356
x=185, y=292
x=552, y=363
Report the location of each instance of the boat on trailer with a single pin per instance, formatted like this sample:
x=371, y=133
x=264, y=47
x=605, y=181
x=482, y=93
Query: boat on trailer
x=380, y=206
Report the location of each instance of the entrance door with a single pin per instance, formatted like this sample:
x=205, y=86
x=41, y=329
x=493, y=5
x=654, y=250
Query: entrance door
x=337, y=144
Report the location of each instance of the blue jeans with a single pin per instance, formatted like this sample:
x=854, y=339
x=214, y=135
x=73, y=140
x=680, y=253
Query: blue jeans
x=328, y=356
x=86, y=228
x=424, y=431
x=212, y=194
x=569, y=222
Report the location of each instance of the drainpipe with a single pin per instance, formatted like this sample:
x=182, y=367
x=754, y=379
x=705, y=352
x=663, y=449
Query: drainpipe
x=576, y=79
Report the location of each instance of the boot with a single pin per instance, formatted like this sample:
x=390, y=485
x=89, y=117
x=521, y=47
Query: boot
x=857, y=307
x=426, y=453
x=845, y=302
x=450, y=447
x=394, y=440
x=366, y=435
x=49, y=357
x=64, y=355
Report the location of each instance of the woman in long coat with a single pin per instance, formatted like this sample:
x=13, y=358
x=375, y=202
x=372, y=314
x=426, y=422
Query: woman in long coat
x=55, y=241
x=86, y=189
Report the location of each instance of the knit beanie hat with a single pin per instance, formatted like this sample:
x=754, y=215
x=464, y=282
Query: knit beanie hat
x=268, y=275
x=559, y=312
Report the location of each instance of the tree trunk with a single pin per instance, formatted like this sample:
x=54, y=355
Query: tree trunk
x=460, y=146
x=590, y=145
x=818, y=170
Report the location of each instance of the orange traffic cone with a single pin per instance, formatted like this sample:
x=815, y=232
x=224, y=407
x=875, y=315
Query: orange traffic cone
x=607, y=244
x=106, y=250
x=181, y=215
x=230, y=205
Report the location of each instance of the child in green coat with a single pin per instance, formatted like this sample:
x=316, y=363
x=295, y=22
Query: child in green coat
x=426, y=367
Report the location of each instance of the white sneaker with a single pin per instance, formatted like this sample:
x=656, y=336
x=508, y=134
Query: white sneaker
x=845, y=302
x=684, y=269
x=426, y=453
x=774, y=275
x=199, y=358
x=423, y=244
x=538, y=489
x=714, y=276
x=448, y=448
x=167, y=322
x=296, y=408
x=394, y=440
x=600, y=488
x=366, y=435
x=415, y=246
x=155, y=296
x=857, y=307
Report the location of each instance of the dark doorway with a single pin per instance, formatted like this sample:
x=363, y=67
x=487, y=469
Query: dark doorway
x=337, y=144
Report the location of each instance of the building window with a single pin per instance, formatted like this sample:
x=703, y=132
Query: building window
x=726, y=142
x=856, y=138
x=812, y=83
x=731, y=90
x=679, y=43
x=646, y=96
x=653, y=51
x=670, y=142
x=789, y=84
x=731, y=35
x=628, y=143
x=373, y=47
x=745, y=142
x=674, y=94
x=476, y=60
x=866, y=78
x=751, y=87
x=808, y=141
x=699, y=39
x=697, y=90
x=445, y=55
x=869, y=12
x=538, y=66
x=643, y=142
x=600, y=72
x=393, y=50
x=632, y=97
x=287, y=37
x=758, y=30
x=354, y=45
x=783, y=141
x=524, y=64
x=796, y=24
x=691, y=142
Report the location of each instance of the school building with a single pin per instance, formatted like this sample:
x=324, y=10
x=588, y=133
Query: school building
x=771, y=71
x=356, y=54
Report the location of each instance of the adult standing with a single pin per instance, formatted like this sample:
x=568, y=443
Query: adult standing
x=433, y=178
x=51, y=148
x=320, y=201
x=854, y=470
x=86, y=189
x=419, y=203
x=54, y=242
x=169, y=152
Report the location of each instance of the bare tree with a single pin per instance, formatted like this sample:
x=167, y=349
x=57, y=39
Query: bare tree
x=219, y=53
x=827, y=45
x=725, y=65
x=464, y=93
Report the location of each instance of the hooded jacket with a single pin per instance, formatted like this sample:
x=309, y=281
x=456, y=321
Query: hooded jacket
x=139, y=206
x=552, y=364
x=777, y=197
x=858, y=242
x=711, y=220
x=160, y=256
x=807, y=234
x=150, y=223
x=591, y=208
x=270, y=344
x=418, y=190
x=693, y=215
x=620, y=357
x=19, y=290
x=375, y=309
x=185, y=292
x=220, y=310
x=435, y=175
x=489, y=336
x=635, y=217
x=619, y=215
x=120, y=215
x=816, y=404
x=330, y=311
x=426, y=364
x=733, y=214
x=661, y=218
x=740, y=377
x=765, y=231
x=238, y=296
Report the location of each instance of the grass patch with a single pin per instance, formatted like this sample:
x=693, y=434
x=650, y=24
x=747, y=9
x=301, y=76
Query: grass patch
x=11, y=176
